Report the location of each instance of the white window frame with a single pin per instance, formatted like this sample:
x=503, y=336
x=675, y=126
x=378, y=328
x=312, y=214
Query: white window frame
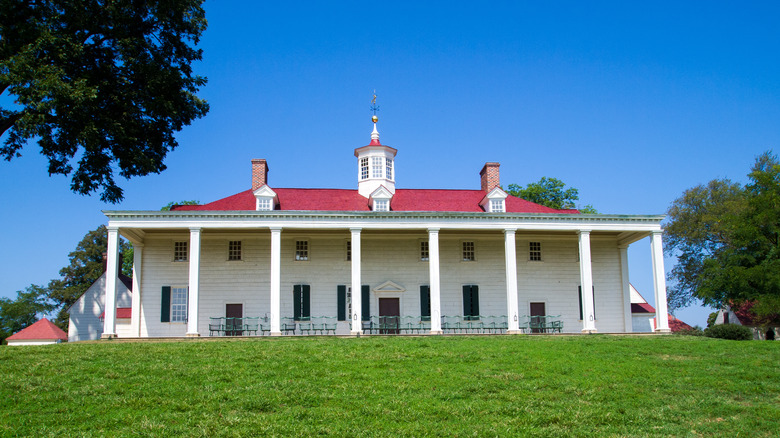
x=381, y=205
x=181, y=251
x=376, y=167
x=535, y=251
x=364, y=168
x=179, y=304
x=235, y=253
x=425, y=251
x=265, y=204
x=497, y=206
x=389, y=169
x=302, y=249
x=468, y=247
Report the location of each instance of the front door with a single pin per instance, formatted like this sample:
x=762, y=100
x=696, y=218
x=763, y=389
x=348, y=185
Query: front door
x=538, y=313
x=389, y=315
x=234, y=314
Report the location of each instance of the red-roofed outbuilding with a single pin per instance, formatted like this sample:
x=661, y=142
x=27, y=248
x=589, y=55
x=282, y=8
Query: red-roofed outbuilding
x=42, y=332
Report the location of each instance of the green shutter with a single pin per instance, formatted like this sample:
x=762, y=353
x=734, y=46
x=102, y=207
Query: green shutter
x=306, y=301
x=466, y=300
x=475, y=300
x=579, y=292
x=341, y=302
x=594, y=302
x=297, y=295
x=165, y=306
x=365, y=303
x=425, y=302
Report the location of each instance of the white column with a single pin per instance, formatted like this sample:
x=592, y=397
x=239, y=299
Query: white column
x=112, y=272
x=435, y=282
x=276, y=281
x=586, y=283
x=659, y=281
x=192, y=311
x=357, y=295
x=628, y=326
x=510, y=255
x=135, y=316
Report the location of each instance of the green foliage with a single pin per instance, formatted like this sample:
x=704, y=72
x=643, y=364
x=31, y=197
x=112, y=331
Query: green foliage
x=394, y=386
x=733, y=332
x=550, y=192
x=86, y=266
x=29, y=306
x=711, y=319
x=171, y=204
x=725, y=238
x=110, y=81
x=693, y=331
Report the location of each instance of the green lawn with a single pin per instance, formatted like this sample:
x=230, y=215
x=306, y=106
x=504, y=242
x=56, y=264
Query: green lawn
x=386, y=386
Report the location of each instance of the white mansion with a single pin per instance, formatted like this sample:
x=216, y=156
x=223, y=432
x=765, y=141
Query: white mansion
x=278, y=259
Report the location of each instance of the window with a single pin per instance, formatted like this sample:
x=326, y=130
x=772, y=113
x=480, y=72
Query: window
x=301, y=250
x=381, y=205
x=179, y=251
x=424, y=251
x=349, y=250
x=468, y=252
x=178, y=304
x=363, y=168
x=388, y=168
x=301, y=302
x=376, y=167
x=470, y=302
x=265, y=204
x=535, y=251
x=725, y=317
x=234, y=250
x=496, y=205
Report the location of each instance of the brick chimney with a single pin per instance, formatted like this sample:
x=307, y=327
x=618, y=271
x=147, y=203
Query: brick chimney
x=489, y=176
x=259, y=173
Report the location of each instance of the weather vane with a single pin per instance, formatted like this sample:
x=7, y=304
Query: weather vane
x=374, y=107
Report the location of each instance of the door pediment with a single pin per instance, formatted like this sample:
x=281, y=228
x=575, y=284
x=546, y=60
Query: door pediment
x=389, y=287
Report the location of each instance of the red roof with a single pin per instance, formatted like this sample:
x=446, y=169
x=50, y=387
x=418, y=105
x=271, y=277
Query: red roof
x=677, y=325
x=642, y=308
x=351, y=200
x=43, y=329
x=121, y=312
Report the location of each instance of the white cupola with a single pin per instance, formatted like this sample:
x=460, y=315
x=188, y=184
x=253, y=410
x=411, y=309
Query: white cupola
x=376, y=165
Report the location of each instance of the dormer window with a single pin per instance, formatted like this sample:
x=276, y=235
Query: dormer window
x=494, y=201
x=496, y=205
x=379, y=200
x=382, y=205
x=265, y=199
x=264, y=204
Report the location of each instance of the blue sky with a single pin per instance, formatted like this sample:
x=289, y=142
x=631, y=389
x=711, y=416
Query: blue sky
x=629, y=102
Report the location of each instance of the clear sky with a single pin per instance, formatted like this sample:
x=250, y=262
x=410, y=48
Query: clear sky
x=630, y=102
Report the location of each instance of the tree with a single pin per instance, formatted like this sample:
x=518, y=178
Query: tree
x=727, y=239
x=85, y=267
x=110, y=81
x=29, y=306
x=698, y=229
x=171, y=204
x=550, y=192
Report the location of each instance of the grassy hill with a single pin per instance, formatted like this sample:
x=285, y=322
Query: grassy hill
x=382, y=386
